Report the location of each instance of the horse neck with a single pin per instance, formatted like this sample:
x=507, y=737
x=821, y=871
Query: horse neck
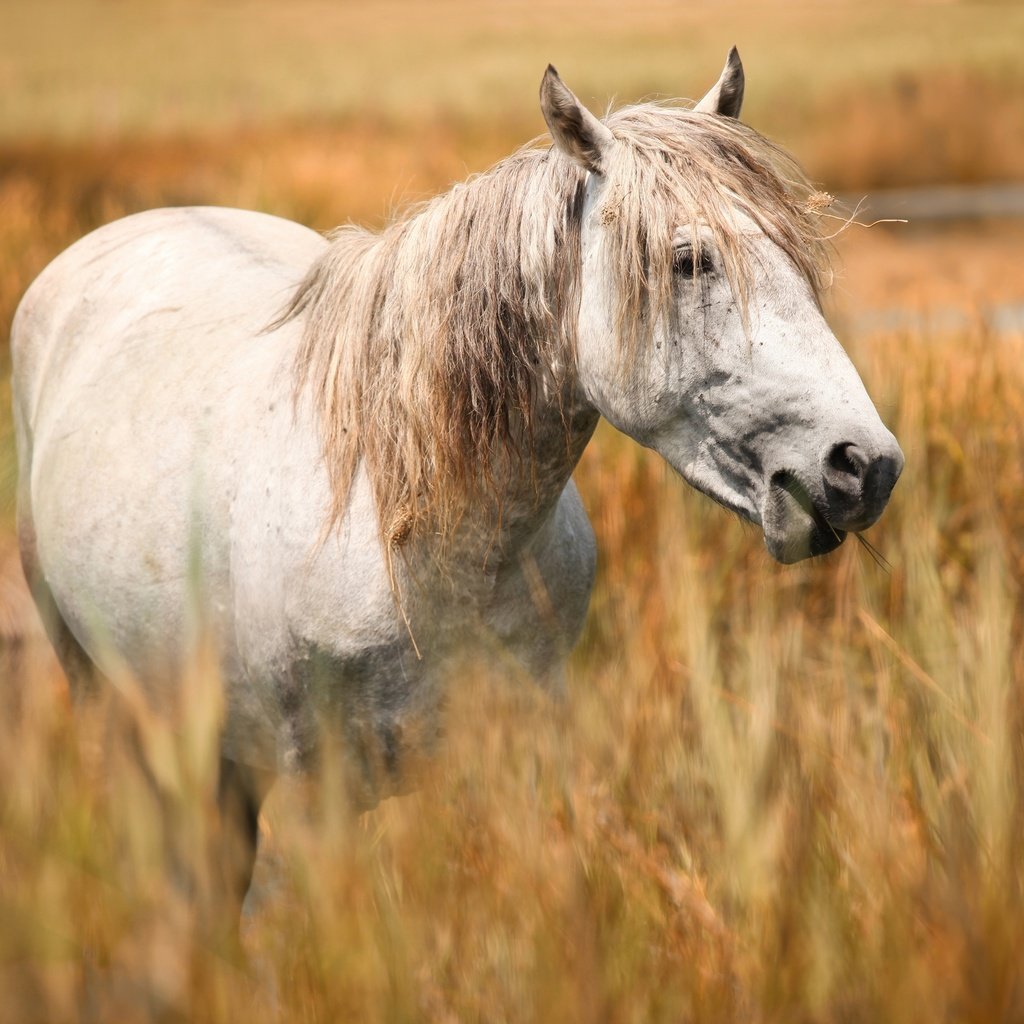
x=539, y=471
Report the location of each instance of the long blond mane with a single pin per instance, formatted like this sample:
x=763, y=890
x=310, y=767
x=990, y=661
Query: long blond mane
x=424, y=346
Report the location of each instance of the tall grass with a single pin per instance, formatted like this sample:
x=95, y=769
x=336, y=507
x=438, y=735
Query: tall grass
x=774, y=794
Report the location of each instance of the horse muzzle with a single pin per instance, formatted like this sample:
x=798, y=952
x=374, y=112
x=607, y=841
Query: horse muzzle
x=809, y=513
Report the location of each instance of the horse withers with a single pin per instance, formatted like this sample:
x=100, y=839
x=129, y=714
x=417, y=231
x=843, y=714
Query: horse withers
x=363, y=445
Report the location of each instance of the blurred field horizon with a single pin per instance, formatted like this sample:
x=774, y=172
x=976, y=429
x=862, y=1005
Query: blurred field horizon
x=779, y=794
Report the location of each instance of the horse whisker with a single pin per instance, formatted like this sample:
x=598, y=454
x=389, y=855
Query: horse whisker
x=879, y=559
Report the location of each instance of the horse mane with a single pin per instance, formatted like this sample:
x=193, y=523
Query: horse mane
x=424, y=346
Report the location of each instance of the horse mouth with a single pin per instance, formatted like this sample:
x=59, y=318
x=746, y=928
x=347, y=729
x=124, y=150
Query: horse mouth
x=795, y=525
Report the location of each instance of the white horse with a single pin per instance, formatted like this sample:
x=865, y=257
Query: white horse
x=356, y=453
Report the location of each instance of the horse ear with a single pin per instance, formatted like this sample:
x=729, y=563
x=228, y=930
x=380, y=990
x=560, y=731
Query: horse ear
x=725, y=97
x=577, y=133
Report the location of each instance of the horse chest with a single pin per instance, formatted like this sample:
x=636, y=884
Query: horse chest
x=336, y=656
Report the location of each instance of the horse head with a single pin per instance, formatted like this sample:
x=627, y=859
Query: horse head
x=700, y=330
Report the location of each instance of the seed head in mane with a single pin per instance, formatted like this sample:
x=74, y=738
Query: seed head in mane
x=426, y=347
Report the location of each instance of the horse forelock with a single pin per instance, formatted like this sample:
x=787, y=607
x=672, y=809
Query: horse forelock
x=424, y=345
x=676, y=166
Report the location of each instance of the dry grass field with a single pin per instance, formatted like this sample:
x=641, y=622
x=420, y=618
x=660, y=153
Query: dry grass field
x=775, y=794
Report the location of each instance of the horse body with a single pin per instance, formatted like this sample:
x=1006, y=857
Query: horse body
x=157, y=319
x=351, y=495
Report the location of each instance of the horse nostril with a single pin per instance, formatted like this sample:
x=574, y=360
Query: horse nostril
x=846, y=460
x=858, y=482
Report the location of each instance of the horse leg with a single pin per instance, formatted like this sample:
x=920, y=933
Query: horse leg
x=79, y=669
x=241, y=790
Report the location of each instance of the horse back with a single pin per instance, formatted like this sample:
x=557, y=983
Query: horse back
x=206, y=263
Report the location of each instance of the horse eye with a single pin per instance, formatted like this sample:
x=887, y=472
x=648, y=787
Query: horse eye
x=684, y=264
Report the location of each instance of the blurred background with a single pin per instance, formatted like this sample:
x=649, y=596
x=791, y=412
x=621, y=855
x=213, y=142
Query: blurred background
x=776, y=793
